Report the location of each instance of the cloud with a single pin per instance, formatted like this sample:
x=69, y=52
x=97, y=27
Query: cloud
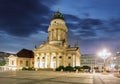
x=22, y=17
x=87, y=22
x=83, y=28
x=91, y=21
x=14, y=44
x=91, y=31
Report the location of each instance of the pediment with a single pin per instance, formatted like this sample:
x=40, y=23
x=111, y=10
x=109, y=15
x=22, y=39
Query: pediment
x=48, y=48
x=12, y=56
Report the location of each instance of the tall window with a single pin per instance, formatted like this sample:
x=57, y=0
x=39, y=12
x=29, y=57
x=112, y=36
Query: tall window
x=27, y=63
x=32, y=62
x=69, y=57
x=69, y=64
x=38, y=59
x=43, y=58
x=54, y=57
x=12, y=62
x=60, y=57
x=21, y=62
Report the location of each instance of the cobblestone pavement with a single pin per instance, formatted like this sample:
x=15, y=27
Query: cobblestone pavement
x=44, y=77
x=49, y=77
x=105, y=79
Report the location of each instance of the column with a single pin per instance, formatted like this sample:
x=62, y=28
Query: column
x=61, y=34
x=49, y=39
x=45, y=60
x=40, y=61
x=52, y=55
x=50, y=60
x=57, y=60
x=64, y=59
x=35, y=62
x=73, y=60
x=57, y=34
x=51, y=34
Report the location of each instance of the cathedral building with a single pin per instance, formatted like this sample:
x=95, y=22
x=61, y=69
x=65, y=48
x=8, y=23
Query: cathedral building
x=56, y=51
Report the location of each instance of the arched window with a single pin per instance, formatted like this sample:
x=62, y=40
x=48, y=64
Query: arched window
x=38, y=58
x=21, y=62
x=60, y=57
x=54, y=57
x=69, y=57
x=27, y=63
x=43, y=57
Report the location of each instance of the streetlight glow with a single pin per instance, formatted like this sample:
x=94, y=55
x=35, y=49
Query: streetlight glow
x=104, y=54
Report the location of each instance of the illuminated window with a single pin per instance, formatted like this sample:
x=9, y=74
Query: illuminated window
x=69, y=64
x=27, y=63
x=54, y=57
x=21, y=62
x=69, y=57
x=38, y=58
x=12, y=62
x=60, y=57
x=32, y=62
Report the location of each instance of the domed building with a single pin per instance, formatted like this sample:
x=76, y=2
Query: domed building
x=56, y=51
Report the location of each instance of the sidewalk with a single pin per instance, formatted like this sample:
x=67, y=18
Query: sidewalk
x=117, y=75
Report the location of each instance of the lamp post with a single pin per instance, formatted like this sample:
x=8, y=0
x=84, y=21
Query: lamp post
x=104, y=54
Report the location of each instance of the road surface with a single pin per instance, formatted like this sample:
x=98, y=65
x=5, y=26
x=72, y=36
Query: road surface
x=49, y=77
x=105, y=79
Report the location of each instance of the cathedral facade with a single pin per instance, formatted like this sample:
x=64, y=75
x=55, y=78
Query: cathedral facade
x=56, y=51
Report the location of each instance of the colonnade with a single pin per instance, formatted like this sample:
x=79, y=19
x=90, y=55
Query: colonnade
x=54, y=60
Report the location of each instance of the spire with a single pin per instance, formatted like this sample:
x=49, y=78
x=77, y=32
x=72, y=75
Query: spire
x=35, y=46
x=76, y=44
x=58, y=9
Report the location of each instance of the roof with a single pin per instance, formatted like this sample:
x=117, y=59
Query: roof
x=72, y=48
x=25, y=53
x=58, y=15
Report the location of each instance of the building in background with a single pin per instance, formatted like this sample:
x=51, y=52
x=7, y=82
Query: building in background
x=4, y=61
x=24, y=58
x=92, y=60
x=113, y=62
x=117, y=61
x=56, y=51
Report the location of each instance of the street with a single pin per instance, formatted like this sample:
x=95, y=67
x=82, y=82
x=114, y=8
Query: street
x=105, y=79
x=49, y=77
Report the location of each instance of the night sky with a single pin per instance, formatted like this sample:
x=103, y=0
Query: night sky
x=94, y=23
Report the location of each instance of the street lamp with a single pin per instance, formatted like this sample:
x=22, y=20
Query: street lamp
x=104, y=54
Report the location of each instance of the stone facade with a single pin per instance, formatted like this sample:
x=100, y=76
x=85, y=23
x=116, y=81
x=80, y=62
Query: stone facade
x=56, y=51
x=113, y=62
x=92, y=60
x=24, y=58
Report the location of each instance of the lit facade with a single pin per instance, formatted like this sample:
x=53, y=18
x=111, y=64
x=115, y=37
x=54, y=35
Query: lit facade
x=113, y=62
x=92, y=60
x=24, y=58
x=56, y=51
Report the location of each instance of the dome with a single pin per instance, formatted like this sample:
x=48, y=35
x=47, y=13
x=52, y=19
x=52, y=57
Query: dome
x=58, y=15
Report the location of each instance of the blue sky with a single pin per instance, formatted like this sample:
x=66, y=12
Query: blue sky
x=94, y=23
